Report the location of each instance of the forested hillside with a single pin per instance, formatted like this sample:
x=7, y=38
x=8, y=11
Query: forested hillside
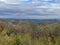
x=29, y=33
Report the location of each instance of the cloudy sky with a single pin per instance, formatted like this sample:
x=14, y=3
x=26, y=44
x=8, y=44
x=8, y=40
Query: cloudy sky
x=30, y=9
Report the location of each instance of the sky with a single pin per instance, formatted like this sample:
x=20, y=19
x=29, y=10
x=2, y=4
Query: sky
x=30, y=9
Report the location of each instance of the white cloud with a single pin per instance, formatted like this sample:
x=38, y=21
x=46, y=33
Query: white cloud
x=14, y=9
x=2, y=0
x=10, y=1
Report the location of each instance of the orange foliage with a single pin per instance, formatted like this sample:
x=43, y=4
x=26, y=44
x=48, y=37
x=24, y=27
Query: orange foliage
x=2, y=22
x=1, y=25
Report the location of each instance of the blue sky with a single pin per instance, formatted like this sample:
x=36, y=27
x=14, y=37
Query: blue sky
x=30, y=9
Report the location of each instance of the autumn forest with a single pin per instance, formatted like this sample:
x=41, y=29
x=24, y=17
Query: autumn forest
x=29, y=33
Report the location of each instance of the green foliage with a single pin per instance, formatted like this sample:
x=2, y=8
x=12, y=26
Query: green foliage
x=25, y=33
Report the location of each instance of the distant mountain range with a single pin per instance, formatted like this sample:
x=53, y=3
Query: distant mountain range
x=34, y=20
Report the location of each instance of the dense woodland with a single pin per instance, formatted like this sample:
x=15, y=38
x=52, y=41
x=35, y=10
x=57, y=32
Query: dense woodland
x=29, y=33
